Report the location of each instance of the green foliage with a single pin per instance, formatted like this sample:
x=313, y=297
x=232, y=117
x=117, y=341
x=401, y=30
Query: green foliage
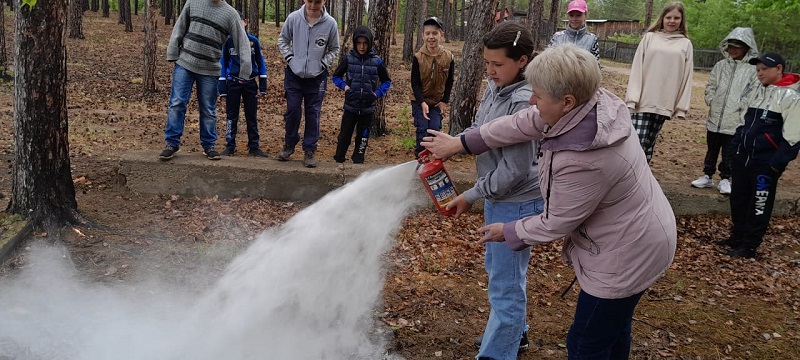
x=626, y=38
x=30, y=3
x=407, y=143
x=773, y=21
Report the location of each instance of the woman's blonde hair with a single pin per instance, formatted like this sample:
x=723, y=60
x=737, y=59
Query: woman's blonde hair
x=659, y=25
x=565, y=70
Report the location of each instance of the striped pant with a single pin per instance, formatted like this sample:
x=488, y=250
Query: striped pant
x=647, y=126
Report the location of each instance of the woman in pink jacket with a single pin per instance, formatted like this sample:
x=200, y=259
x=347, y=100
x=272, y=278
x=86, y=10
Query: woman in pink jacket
x=618, y=227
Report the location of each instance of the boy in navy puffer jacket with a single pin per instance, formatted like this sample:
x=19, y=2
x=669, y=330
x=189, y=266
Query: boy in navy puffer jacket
x=763, y=146
x=364, y=78
x=235, y=90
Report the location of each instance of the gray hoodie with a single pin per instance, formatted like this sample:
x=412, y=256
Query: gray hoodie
x=730, y=80
x=309, y=49
x=506, y=174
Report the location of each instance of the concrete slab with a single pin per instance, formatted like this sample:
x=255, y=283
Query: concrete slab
x=13, y=230
x=240, y=176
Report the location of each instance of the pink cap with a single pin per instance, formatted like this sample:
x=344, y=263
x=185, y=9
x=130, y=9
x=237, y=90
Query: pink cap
x=577, y=5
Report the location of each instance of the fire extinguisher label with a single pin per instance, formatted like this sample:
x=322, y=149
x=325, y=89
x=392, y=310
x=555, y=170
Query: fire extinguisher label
x=441, y=187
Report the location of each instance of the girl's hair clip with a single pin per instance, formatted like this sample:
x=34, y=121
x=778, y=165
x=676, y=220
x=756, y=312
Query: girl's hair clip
x=517, y=38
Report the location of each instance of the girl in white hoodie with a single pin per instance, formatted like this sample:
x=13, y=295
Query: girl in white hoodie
x=660, y=85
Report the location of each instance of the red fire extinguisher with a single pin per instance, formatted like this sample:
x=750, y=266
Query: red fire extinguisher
x=437, y=181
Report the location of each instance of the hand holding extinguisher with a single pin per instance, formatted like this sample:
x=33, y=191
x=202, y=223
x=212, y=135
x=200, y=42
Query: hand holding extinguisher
x=437, y=182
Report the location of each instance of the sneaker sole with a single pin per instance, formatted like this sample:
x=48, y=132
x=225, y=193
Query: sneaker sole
x=703, y=186
x=165, y=158
x=212, y=157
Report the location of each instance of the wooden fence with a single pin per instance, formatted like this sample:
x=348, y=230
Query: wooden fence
x=704, y=59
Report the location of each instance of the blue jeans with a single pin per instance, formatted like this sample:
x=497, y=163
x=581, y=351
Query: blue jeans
x=181, y=92
x=506, y=269
x=423, y=124
x=601, y=328
x=303, y=95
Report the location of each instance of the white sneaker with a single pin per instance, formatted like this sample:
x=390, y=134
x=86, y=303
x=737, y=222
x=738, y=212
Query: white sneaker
x=703, y=182
x=724, y=187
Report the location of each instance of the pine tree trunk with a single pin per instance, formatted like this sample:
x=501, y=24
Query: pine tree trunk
x=126, y=15
x=4, y=74
x=277, y=13
x=121, y=11
x=136, y=7
x=352, y=18
x=380, y=21
x=446, y=20
x=344, y=16
x=554, y=16
x=95, y=6
x=502, y=10
x=41, y=182
x=76, y=19
x=471, y=69
x=421, y=16
x=395, y=22
x=408, y=30
x=462, y=31
x=535, y=10
x=150, y=47
x=168, y=12
x=105, y=7
x=252, y=15
x=648, y=14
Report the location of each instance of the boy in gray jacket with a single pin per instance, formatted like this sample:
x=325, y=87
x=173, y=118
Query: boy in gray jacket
x=196, y=48
x=309, y=42
x=730, y=79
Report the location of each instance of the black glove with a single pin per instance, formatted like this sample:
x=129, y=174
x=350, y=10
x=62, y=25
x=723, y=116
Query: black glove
x=222, y=87
x=262, y=85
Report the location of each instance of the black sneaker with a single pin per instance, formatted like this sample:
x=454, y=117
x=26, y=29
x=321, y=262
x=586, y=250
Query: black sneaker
x=308, y=160
x=729, y=242
x=524, y=344
x=211, y=154
x=168, y=152
x=285, y=153
x=742, y=252
x=228, y=152
x=258, y=153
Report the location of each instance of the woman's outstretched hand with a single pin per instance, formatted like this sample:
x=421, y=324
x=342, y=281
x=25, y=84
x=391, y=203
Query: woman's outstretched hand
x=492, y=233
x=442, y=145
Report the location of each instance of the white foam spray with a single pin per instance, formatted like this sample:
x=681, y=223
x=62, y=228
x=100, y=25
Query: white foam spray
x=304, y=290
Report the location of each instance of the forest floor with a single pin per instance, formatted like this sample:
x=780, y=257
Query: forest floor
x=708, y=306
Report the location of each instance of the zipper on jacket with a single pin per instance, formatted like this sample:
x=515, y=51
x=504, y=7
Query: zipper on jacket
x=725, y=99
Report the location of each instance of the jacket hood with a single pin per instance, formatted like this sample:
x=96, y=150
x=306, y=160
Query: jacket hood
x=365, y=32
x=670, y=36
x=324, y=17
x=788, y=80
x=745, y=35
x=602, y=121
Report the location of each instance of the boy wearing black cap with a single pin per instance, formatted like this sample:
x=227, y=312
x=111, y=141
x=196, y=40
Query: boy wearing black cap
x=432, y=70
x=763, y=146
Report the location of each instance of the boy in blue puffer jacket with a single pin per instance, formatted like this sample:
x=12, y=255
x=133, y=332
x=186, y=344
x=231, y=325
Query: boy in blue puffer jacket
x=235, y=89
x=364, y=78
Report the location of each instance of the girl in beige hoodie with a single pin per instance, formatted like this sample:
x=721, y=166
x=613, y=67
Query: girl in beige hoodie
x=660, y=85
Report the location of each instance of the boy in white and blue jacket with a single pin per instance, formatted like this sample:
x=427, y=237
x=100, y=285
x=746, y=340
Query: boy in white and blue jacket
x=235, y=90
x=364, y=78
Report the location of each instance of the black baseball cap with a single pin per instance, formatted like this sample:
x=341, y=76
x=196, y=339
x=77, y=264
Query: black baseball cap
x=433, y=20
x=769, y=60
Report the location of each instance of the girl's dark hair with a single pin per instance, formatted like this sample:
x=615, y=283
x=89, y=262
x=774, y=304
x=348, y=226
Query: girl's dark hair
x=512, y=36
